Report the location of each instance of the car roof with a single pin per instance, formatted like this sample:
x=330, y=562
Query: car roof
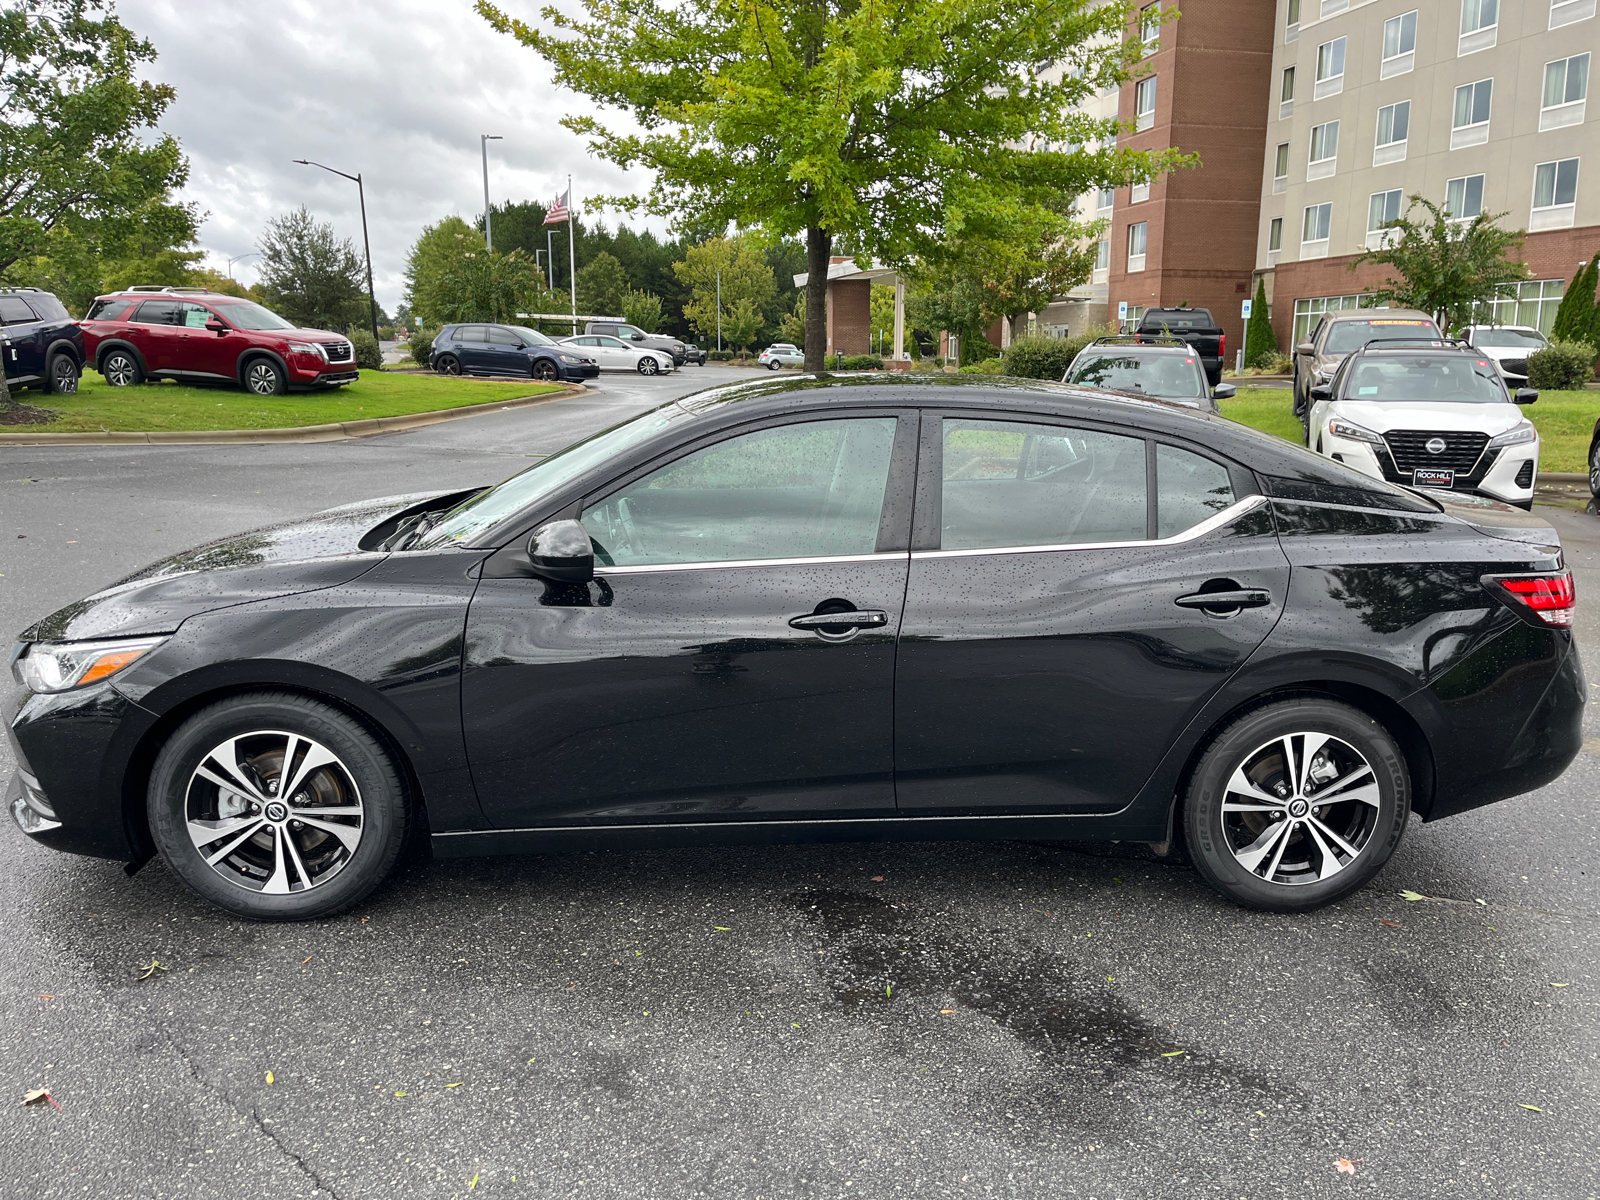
x=1110, y=345
x=1380, y=314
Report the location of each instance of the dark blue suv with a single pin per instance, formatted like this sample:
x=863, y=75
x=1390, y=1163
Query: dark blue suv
x=508, y=350
x=42, y=344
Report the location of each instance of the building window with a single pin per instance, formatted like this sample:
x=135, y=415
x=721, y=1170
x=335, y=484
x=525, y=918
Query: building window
x=1330, y=69
x=1399, y=45
x=1309, y=312
x=1565, y=12
x=1383, y=210
x=1150, y=24
x=1139, y=193
x=1286, y=95
x=1555, y=194
x=1324, y=150
x=1107, y=195
x=1533, y=303
x=1144, y=103
x=1566, y=87
x=1330, y=7
x=1314, y=230
x=1280, y=169
x=1394, y=128
x=1291, y=27
x=1102, y=256
x=1136, y=245
x=1479, y=22
x=1470, y=126
x=1463, y=198
x=1275, y=235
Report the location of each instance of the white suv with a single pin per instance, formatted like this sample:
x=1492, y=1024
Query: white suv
x=1509, y=347
x=782, y=354
x=1428, y=416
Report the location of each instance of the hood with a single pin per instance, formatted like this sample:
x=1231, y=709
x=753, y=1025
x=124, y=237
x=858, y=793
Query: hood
x=1383, y=416
x=319, y=551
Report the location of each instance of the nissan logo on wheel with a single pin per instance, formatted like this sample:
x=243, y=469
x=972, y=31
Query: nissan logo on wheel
x=1435, y=445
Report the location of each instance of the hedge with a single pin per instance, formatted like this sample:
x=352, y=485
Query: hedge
x=369, y=355
x=1561, y=366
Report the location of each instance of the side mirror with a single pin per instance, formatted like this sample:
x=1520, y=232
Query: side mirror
x=1323, y=391
x=1305, y=348
x=562, y=552
x=217, y=327
x=637, y=337
x=1526, y=395
x=1224, y=391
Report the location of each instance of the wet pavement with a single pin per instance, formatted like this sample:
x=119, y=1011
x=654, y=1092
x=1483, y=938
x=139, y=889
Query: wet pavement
x=1003, y=1019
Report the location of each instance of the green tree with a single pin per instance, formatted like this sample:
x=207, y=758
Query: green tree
x=430, y=257
x=1446, y=267
x=309, y=275
x=897, y=129
x=642, y=309
x=1260, y=338
x=742, y=322
x=1575, y=317
x=745, y=275
x=485, y=286
x=792, y=328
x=602, y=285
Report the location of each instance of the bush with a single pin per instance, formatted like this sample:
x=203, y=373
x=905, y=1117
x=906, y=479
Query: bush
x=1561, y=366
x=975, y=348
x=369, y=357
x=861, y=362
x=386, y=333
x=989, y=366
x=421, y=345
x=720, y=355
x=1038, y=357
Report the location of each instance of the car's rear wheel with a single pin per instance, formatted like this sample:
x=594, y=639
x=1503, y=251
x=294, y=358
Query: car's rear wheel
x=448, y=364
x=275, y=806
x=61, y=375
x=265, y=377
x=121, y=369
x=1296, y=804
x=544, y=370
x=1594, y=469
x=649, y=365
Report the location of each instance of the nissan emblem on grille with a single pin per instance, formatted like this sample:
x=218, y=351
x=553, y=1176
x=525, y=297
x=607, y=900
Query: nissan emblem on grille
x=1435, y=445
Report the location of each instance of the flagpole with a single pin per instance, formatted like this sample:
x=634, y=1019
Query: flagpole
x=572, y=256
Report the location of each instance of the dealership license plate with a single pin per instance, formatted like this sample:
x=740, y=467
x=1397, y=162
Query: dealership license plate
x=1433, y=477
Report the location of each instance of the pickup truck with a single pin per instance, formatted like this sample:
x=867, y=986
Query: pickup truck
x=652, y=341
x=1195, y=326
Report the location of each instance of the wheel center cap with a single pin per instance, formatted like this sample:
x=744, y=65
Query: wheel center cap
x=1297, y=808
x=277, y=811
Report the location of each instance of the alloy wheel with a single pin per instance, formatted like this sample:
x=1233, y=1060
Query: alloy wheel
x=262, y=378
x=1300, y=808
x=1594, y=469
x=544, y=370
x=648, y=365
x=449, y=365
x=63, y=375
x=120, y=370
x=267, y=835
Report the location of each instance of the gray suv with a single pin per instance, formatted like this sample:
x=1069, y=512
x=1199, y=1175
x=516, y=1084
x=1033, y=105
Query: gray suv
x=1340, y=334
x=638, y=337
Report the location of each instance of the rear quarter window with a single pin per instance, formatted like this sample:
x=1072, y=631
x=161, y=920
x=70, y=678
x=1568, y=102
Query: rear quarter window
x=113, y=309
x=48, y=307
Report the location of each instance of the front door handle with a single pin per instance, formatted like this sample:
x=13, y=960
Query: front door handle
x=858, y=619
x=1239, y=598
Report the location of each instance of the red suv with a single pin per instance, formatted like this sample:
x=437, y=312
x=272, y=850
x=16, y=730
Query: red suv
x=196, y=336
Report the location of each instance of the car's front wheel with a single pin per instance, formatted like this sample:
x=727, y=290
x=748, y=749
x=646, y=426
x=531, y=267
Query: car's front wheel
x=1296, y=804
x=61, y=376
x=1594, y=469
x=649, y=365
x=121, y=369
x=544, y=370
x=774, y=366
x=275, y=806
x=265, y=377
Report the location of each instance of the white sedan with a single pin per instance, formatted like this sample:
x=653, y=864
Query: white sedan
x=782, y=354
x=614, y=354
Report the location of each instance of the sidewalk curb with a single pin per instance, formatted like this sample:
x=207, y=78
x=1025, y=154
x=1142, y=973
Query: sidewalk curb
x=335, y=432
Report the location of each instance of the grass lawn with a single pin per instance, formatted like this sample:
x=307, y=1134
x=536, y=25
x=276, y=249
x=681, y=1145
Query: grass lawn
x=1565, y=421
x=168, y=406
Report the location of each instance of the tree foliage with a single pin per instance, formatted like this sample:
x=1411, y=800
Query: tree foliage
x=309, y=275
x=906, y=130
x=1443, y=266
x=1261, y=340
x=602, y=286
x=745, y=276
x=642, y=309
x=1576, y=317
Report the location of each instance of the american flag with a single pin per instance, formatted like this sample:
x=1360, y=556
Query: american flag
x=559, y=211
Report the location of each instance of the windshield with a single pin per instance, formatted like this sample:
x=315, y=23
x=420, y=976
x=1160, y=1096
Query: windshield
x=1173, y=376
x=1346, y=336
x=245, y=314
x=1519, y=339
x=1453, y=380
x=533, y=337
x=1176, y=320
x=490, y=507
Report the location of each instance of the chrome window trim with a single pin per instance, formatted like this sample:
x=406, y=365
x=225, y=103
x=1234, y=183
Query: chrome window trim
x=1360, y=508
x=648, y=568
x=1235, y=510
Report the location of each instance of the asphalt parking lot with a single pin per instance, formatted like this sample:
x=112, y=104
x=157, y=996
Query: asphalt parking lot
x=1005, y=1019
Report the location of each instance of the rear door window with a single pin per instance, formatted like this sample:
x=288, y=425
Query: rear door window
x=1014, y=483
x=472, y=333
x=1190, y=488
x=157, y=312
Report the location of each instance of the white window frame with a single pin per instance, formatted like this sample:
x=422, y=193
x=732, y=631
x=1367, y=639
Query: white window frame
x=1482, y=35
x=1291, y=25
x=1286, y=83
x=1274, y=240
x=1102, y=261
x=1316, y=247
x=1150, y=31
x=1466, y=185
x=1381, y=235
x=1332, y=83
x=1144, y=118
x=1136, y=261
x=1395, y=149
x=1566, y=112
x=1401, y=62
x=1139, y=193
x=1566, y=12
x=1555, y=215
x=1280, y=169
x=1105, y=200
x=1321, y=168
x=1473, y=133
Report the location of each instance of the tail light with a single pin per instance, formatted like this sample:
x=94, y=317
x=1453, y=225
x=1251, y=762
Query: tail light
x=1222, y=345
x=1542, y=599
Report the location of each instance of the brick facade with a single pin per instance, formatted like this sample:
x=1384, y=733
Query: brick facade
x=849, y=316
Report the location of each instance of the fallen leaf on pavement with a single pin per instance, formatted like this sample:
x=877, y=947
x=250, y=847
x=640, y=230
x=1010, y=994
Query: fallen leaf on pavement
x=270, y=1078
x=877, y=879
x=473, y=1182
x=38, y=1094
x=945, y=1012
x=1345, y=1166
x=307, y=959
x=152, y=969
x=451, y=1085
x=1391, y=924
x=1171, y=1053
x=1405, y=895
x=49, y=996
x=1531, y=1107
x=723, y=928
x=1560, y=985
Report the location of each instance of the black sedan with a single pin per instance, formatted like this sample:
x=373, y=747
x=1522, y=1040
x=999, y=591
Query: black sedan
x=848, y=607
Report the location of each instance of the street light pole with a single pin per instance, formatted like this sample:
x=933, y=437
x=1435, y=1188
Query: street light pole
x=241, y=258
x=483, y=144
x=361, y=191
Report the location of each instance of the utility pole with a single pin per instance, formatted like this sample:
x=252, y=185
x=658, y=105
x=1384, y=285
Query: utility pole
x=372, y=299
x=241, y=258
x=483, y=144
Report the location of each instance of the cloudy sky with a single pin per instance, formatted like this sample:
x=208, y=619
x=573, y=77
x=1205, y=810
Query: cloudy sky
x=396, y=90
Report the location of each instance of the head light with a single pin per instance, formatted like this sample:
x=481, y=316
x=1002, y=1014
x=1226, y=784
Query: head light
x=308, y=348
x=62, y=666
x=1356, y=433
x=1517, y=435
x=569, y=358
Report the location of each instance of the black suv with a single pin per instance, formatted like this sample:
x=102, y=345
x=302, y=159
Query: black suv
x=508, y=350
x=42, y=344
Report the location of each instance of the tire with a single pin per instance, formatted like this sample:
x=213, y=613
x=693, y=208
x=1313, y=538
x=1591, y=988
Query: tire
x=774, y=366
x=61, y=375
x=545, y=371
x=121, y=369
x=1594, y=469
x=649, y=365
x=1309, y=865
x=264, y=377
x=448, y=364
x=333, y=861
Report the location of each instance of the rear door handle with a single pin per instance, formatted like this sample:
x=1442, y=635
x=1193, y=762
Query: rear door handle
x=1242, y=598
x=859, y=619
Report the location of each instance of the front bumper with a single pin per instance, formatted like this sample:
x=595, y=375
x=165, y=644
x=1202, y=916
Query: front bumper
x=580, y=372
x=317, y=380
x=1506, y=474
